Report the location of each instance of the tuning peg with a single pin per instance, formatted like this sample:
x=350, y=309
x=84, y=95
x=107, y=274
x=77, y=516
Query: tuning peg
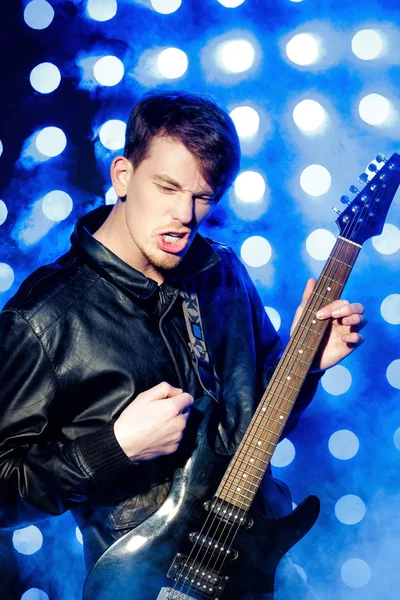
x=353, y=189
x=337, y=211
x=380, y=157
x=363, y=178
x=372, y=167
x=345, y=200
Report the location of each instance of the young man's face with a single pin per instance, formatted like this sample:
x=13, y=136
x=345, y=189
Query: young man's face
x=167, y=199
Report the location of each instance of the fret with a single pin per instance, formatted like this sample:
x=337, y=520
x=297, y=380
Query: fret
x=239, y=483
x=256, y=458
x=305, y=362
x=239, y=495
x=279, y=395
x=252, y=466
x=259, y=448
x=242, y=470
x=266, y=428
x=308, y=329
x=341, y=262
x=332, y=280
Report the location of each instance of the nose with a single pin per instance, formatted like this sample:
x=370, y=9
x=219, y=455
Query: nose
x=183, y=208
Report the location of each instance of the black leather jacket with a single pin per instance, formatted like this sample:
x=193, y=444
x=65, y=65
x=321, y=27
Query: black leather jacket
x=79, y=341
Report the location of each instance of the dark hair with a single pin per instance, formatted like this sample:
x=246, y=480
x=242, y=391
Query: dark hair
x=203, y=127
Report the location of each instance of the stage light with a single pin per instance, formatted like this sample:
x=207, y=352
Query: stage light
x=303, y=49
x=315, y=180
x=57, y=205
x=109, y=71
x=367, y=44
x=392, y=372
x=166, y=7
x=236, y=56
x=343, y=444
x=256, y=251
x=78, y=534
x=246, y=119
x=111, y=196
x=231, y=3
x=38, y=14
x=337, y=380
x=3, y=212
x=390, y=309
x=249, y=186
x=309, y=115
x=34, y=594
x=350, y=509
x=6, y=277
x=51, y=141
x=28, y=540
x=374, y=109
x=355, y=573
x=274, y=316
x=389, y=240
x=45, y=78
x=112, y=134
x=319, y=244
x=172, y=63
x=102, y=10
x=284, y=454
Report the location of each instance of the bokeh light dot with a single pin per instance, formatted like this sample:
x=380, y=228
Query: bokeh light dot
x=51, y=141
x=284, y=454
x=303, y=49
x=315, y=180
x=396, y=438
x=102, y=10
x=1, y=147
x=246, y=119
x=78, y=534
x=343, y=444
x=172, y=63
x=355, y=573
x=237, y=56
x=109, y=70
x=374, y=109
x=350, y=509
x=166, y=7
x=38, y=14
x=319, y=244
x=34, y=594
x=390, y=309
x=309, y=115
x=231, y=3
x=256, y=251
x=393, y=373
x=6, y=277
x=274, y=316
x=57, y=205
x=249, y=186
x=112, y=134
x=45, y=78
x=3, y=212
x=367, y=44
x=389, y=240
x=337, y=380
x=27, y=540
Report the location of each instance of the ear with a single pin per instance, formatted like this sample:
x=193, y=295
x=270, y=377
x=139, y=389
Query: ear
x=119, y=171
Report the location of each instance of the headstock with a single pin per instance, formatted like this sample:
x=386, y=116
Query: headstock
x=364, y=217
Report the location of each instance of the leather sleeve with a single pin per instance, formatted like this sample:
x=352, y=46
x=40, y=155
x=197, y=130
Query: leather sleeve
x=41, y=472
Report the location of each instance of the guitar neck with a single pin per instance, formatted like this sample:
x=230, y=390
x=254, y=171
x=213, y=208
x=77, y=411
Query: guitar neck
x=248, y=466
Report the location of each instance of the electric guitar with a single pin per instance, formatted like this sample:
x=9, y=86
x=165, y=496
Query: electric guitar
x=211, y=543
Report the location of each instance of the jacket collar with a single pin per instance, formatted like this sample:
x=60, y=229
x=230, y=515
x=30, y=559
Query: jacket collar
x=199, y=257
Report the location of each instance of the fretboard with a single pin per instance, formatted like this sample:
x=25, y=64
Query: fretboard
x=248, y=466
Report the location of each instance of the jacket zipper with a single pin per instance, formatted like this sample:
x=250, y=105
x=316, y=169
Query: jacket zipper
x=163, y=301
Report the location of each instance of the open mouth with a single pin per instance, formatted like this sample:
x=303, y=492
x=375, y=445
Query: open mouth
x=173, y=242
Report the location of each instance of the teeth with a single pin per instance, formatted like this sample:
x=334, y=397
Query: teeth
x=171, y=238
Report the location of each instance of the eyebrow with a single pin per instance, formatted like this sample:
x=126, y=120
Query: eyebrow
x=177, y=185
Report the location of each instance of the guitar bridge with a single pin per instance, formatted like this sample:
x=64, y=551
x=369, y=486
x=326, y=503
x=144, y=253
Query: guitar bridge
x=194, y=576
x=168, y=593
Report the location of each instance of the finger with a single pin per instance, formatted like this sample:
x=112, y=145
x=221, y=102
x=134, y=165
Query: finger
x=182, y=402
x=355, y=321
x=162, y=390
x=335, y=309
x=310, y=285
x=353, y=339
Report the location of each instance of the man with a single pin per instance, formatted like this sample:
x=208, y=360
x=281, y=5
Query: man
x=104, y=351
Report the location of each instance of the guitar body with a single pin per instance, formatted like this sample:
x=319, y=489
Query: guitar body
x=136, y=566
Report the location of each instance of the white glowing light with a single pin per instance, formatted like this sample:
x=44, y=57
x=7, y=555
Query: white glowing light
x=6, y=277
x=28, y=540
x=231, y=3
x=343, y=444
x=112, y=134
x=393, y=373
x=51, y=141
x=389, y=240
x=390, y=308
x=319, y=244
x=45, y=78
x=309, y=115
x=350, y=509
x=246, y=119
x=38, y=14
x=236, y=56
x=34, y=594
x=1, y=147
x=355, y=573
x=172, y=63
x=166, y=7
x=337, y=380
x=3, y=212
x=303, y=49
x=249, y=186
x=136, y=542
x=274, y=316
x=78, y=534
x=396, y=438
x=256, y=251
x=284, y=454
x=374, y=109
x=102, y=10
x=109, y=70
x=111, y=196
x=367, y=44
x=57, y=205
x=315, y=180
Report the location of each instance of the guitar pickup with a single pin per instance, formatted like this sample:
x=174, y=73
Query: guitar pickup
x=194, y=575
x=227, y=512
